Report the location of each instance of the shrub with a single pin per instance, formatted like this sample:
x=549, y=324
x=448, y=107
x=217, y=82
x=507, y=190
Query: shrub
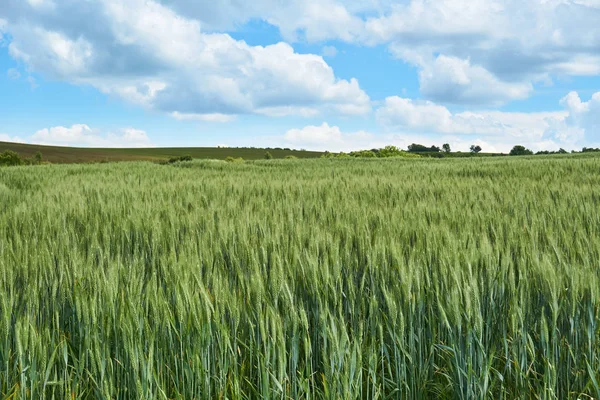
x=560, y=151
x=290, y=157
x=233, y=159
x=10, y=158
x=268, y=156
x=173, y=160
x=363, y=154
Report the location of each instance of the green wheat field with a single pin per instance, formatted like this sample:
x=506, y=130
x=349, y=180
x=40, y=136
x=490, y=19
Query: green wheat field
x=302, y=279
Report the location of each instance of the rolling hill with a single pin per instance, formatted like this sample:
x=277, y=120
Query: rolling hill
x=68, y=155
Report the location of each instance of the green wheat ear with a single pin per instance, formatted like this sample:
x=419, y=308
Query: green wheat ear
x=334, y=278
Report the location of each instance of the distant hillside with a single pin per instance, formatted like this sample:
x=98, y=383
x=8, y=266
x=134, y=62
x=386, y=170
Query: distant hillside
x=66, y=155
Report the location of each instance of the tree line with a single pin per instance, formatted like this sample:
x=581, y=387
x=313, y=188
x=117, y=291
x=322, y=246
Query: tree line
x=10, y=158
x=417, y=150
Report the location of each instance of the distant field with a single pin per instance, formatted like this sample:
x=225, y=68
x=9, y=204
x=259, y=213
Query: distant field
x=71, y=155
x=470, y=278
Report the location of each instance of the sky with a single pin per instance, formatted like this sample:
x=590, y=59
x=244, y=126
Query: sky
x=335, y=75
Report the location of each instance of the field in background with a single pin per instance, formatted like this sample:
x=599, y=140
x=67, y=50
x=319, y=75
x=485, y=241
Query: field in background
x=329, y=278
x=71, y=155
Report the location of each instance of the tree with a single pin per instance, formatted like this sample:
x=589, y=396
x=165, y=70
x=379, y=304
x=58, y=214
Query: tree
x=446, y=148
x=268, y=156
x=589, y=150
x=419, y=148
x=475, y=149
x=519, y=150
x=10, y=158
x=37, y=158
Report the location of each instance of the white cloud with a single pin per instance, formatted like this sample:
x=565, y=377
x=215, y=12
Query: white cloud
x=13, y=74
x=312, y=20
x=32, y=82
x=283, y=111
x=48, y=4
x=84, y=136
x=453, y=80
x=505, y=46
x=215, y=117
x=332, y=138
x=426, y=116
x=171, y=58
x=318, y=20
x=420, y=116
x=163, y=60
x=7, y=138
x=325, y=137
x=584, y=117
x=329, y=51
x=409, y=121
x=497, y=130
x=2, y=30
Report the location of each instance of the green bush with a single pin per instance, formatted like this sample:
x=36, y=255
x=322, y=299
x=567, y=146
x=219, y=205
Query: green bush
x=268, y=156
x=363, y=154
x=233, y=159
x=173, y=160
x=10, y=158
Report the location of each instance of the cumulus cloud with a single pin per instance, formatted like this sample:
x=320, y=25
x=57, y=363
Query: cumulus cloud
x=81, y=135
x=490, y=51
x=313, y=20
x=165, y=61
x=173, y=58
x=216, y=117
x=407, y=121
x=454, y=80
x=480, y=52
x=7, y=138
x=426, y=116
x=13, y=74
x=326, y=137
x=496, y=129
x=584, y=117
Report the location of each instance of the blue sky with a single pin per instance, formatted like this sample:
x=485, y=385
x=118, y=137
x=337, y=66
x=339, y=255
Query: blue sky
x=317, y=74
